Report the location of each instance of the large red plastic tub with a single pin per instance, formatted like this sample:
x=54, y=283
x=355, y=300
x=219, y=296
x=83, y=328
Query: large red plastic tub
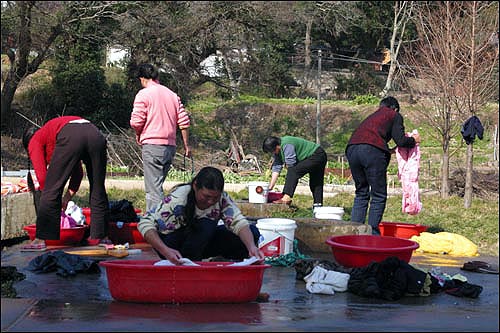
x=361, y=250
x=67, y=236
x=401, y=230
x=211, y=282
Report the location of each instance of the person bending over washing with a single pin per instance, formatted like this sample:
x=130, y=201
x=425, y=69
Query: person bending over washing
x=57, y=151
x=185, y=224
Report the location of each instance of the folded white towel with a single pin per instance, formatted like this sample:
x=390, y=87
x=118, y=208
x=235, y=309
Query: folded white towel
x=323, y=281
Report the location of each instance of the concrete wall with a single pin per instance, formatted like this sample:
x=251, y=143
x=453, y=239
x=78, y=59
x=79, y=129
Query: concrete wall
x=311, y=233
x=18, y=211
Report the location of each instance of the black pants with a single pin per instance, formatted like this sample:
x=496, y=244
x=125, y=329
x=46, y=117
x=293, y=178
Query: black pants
x=75, y=143
x=206, y=239
x=315, y=167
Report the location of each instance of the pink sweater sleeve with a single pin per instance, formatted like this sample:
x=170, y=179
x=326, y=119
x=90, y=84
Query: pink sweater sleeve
x=183, y=117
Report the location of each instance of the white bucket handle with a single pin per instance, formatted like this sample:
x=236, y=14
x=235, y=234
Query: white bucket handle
x=279, y=233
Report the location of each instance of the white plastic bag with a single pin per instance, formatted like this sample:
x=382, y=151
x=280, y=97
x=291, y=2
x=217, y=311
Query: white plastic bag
x=75, y=212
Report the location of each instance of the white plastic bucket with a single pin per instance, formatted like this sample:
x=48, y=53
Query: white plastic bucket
x=277, y=236
x=257, y=192
x=327, y=212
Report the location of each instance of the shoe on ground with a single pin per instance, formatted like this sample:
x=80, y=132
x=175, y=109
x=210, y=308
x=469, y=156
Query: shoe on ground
x=40, y=247
x=282, y=202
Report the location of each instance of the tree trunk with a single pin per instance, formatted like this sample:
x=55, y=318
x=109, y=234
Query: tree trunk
x=232, y=82
x=8, y=91
x=402, y=13
x=390, y=76
x=307, y=46
x=468, y=176
x=445, y=174
x=307, y=55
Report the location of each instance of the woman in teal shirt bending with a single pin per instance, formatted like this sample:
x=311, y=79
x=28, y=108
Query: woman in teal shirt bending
x=301, y=157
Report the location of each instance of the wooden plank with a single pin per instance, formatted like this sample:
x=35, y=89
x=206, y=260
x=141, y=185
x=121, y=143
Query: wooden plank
x=95, y=251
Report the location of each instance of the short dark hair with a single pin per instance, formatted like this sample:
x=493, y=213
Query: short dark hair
x=27, y=135
x=147, y=71
x=210, y=178
x=390, y=102
x=270, y=143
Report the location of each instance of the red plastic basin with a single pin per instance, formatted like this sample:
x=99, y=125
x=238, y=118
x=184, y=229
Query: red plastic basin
x=361, y=250
x=86, y=213
x=70, y=236
x=124, y=232
x=273, y=196
x=212, y=282
x=401, y=230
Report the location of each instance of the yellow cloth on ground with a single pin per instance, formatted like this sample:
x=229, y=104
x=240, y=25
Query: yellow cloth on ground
x=445, y=242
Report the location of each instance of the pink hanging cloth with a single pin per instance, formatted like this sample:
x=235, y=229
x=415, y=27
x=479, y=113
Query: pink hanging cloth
x=408, y=170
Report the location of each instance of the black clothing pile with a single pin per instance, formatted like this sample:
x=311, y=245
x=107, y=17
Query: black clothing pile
x=9, y=276
x=390, y=279
x=123, y=211
x=64, y=264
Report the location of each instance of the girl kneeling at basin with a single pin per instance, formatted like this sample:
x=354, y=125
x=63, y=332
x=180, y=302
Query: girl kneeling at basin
x=186, y=223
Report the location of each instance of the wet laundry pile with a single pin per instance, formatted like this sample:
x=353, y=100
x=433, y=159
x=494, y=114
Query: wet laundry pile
x=123, y=211
x=21, y=186
x=9, y=276
x=64, y=264
x=390, y=279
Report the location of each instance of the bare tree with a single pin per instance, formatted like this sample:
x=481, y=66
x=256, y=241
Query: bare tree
x=432, y=71
x=37, y=25
x=478, y=61
x=403, y=11
x=331, y=17
x=452, y=70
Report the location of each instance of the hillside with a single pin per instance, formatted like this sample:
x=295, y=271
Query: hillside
x=243, y=126
x=212, y=133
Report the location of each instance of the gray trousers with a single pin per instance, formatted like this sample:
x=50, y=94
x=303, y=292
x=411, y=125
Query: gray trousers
x=157, y=160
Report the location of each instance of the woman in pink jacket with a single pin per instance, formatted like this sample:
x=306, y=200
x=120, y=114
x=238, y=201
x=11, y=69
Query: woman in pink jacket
x=156, y=114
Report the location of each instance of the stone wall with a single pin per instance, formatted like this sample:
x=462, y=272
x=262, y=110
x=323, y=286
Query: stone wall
x=18, y=211
x=311, y=233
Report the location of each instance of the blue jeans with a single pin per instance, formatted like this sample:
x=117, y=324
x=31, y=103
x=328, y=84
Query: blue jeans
x=368, y=166
x=205, y=239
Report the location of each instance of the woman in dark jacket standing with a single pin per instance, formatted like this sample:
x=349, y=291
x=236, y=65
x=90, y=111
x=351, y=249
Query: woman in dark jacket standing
x=369, y=155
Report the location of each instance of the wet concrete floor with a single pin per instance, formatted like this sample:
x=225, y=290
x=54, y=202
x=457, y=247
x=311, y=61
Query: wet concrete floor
x=48, y=302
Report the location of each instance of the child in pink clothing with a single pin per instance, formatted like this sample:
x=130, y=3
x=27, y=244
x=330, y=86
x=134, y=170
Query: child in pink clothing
x=408, y=170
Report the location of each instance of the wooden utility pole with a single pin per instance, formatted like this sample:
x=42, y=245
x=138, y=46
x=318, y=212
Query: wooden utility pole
x=318, y=106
